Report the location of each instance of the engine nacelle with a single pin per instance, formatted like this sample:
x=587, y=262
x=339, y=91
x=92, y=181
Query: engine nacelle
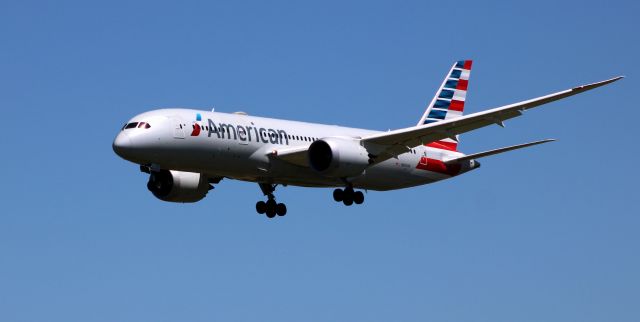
x=178, y=186
x=338, y=157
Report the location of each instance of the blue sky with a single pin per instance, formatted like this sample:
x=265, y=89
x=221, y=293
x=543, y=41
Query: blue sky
x=544, y=234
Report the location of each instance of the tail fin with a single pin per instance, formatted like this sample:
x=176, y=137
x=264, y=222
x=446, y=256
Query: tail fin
x=448, y=103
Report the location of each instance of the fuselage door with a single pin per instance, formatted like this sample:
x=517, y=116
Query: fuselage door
x=178, y=131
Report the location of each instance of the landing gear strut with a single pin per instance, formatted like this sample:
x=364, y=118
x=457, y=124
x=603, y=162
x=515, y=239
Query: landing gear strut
x=270, y=207
x=348, y=196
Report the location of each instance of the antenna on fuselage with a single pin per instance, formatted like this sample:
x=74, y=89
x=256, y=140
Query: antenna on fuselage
x=213, y=109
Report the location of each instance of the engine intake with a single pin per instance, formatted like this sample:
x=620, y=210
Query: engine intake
x=338, y=157
x=178, y=186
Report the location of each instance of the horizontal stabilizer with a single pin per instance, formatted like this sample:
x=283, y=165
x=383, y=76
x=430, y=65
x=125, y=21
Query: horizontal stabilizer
x=496, y=151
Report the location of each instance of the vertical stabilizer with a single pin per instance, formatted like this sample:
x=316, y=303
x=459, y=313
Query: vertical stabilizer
x=448, y=103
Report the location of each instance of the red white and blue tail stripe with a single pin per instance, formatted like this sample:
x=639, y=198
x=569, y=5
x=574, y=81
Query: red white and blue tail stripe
x=449, y=101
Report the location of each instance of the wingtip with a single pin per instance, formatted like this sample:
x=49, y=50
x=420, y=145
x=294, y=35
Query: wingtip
x=597, y=84
x=610, y=80
x=543, y=141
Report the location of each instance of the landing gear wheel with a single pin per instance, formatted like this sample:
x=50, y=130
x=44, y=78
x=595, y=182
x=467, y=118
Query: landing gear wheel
x=358, y=197
x=271, y=213
x=338, y=195
x=261, y=207
x=281, y=209
x=348, y=199
x=271, y=208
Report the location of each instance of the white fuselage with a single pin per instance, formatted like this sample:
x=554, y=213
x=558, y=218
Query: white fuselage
x=240, y=146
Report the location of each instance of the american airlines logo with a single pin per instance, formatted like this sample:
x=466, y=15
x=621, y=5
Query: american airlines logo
x=244, y=133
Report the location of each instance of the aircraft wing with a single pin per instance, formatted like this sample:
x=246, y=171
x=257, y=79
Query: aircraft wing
x=390, y=144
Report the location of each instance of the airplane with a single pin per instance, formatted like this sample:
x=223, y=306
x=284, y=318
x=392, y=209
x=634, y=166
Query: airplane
x=187, y=151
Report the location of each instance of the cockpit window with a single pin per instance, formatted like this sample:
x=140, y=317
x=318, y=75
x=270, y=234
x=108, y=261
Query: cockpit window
x=140, y=125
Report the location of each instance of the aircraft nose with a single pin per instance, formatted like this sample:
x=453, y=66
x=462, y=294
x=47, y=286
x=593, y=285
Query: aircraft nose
x=122, y=145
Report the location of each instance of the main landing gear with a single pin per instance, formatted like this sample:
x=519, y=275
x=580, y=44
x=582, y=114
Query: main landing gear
x=270, y=207
x=348, y=196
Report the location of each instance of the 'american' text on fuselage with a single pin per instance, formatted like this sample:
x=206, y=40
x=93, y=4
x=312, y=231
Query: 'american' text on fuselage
x=248, y=133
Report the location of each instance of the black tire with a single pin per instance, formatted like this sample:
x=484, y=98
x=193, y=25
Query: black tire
x=281, y=209
x=358, y=197
x=261, y=207
x=271, y=213
x=338, y=195
x=271, y=208
x=348, y=200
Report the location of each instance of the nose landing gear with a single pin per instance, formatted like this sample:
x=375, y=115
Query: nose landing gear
x=348, y=196
x=270, y=207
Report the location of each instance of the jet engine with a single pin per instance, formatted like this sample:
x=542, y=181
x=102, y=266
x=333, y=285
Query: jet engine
x=178, y=186
x=338, y=157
